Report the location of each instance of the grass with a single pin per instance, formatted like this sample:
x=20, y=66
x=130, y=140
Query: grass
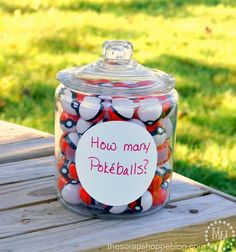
x=193, y=40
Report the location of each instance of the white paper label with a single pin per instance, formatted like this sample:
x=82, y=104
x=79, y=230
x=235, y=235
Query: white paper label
x=116, y=162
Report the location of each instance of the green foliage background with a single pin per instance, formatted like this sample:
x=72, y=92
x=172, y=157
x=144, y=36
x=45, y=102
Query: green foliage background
x=194, y=40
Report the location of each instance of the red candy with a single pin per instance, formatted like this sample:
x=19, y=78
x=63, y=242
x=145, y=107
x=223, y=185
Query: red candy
x=85, y=197
x=121, y=109
x=156, y=183
x=72, y=171
x=61, y=182
x=68, y=145
x=91, y=109
x=164, y=153
x=167, y=105
x=68, y=122
x=160, y=195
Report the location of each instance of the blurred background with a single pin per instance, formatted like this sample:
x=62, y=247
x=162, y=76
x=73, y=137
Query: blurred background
x=194, y=40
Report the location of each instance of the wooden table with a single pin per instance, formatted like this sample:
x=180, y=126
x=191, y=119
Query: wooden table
x=32, y=219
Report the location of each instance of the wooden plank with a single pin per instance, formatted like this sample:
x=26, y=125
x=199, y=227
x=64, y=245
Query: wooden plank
x=7, y=125
x=27, y=193
x=27, y=149
x=208, y=188
x=26, y=170
x=99, y=233
x=42, y=190
x=34, y=218
x=178, y=239
x=12, y=136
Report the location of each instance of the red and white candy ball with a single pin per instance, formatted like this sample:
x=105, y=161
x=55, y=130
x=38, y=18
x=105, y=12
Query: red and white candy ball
x=68, y=145
x=166, y=169
x=121, y=109
x=143, y=203
x=149, y=111
x=159, y=135
x=164, y=153
x=70, y=192
x=83, y=125
x=160, y=196
x=85, y=197
x=69, y=102
x=68, y=122
x=168, y=106
x=167, y=125
x=116, y=209
x=61, y=182
x=138, y=122
x=91, y=109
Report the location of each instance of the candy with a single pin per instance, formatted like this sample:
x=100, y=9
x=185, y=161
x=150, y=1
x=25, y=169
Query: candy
x=83, y=125
x=63, y=168
x=151, y=128
x=138, y=122
x=159, y=135
x=149, y=111
x=166, y=170
x=160, y=195
x=61, y=182
x=116, y=209
x=72, y=172
x=68, y=144
x=85, y=197
x=164, y=153
x=91, y=109
x=121, y=109
x=167, y=125
x=69, y=103
x=68, y=122
x=168, y=106
x=156, y=182
x=70, y=192
x=143, y=203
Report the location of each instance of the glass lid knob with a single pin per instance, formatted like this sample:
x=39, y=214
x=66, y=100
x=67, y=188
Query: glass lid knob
x=117, y=50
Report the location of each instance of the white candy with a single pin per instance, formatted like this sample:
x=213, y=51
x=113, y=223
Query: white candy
x=82, y=125
x=124, y=107
x=173, y=110
x=89, y=107
x=118, y=209
x=160, y=136
x=150, y=110
x=160, y=170
x=166, y=165
x=145, y=204
x=70, y=152
x=66, y=102
x=70, y=193
x=146, y=201
x=106, y=105
x=138, y=122
x=74, y=138
x=167, y=125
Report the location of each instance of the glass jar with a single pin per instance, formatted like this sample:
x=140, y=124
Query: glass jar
x=115, y=132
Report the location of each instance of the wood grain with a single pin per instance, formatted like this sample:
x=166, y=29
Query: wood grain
x=13, y=136
x=27, y=193
x=41, y=190
x=27, y=149
x=26, y=170
x=208, y=188
x=12, y=126
x=98, y=233
x=37, y=217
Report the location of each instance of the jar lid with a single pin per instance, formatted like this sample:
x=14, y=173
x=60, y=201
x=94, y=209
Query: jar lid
x=116, y=73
